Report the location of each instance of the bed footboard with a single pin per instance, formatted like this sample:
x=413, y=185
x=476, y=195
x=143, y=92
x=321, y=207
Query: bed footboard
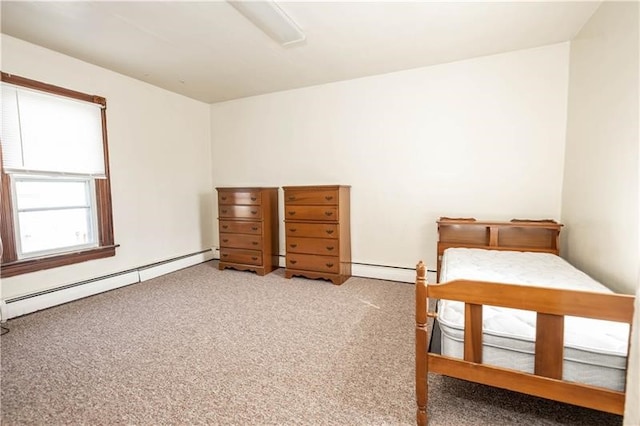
x=551, y=306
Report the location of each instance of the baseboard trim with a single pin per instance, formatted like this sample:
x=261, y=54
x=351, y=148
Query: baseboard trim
x=27, y=304
x=163, y=268
x=368, y=270
x=383, y=272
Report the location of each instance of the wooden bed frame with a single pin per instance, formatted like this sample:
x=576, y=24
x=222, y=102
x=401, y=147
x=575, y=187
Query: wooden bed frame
x=551, y=306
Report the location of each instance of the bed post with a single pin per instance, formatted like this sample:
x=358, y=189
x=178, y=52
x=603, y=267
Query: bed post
x=422, y=337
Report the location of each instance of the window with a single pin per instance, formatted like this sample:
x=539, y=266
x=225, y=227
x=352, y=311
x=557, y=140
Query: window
x=56, y=201
x=53, y=214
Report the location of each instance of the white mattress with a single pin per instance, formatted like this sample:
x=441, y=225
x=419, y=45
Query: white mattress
x=595, y=351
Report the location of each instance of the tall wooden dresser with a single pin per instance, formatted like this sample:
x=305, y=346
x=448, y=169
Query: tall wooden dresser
x=248, y=224
x=317, y=232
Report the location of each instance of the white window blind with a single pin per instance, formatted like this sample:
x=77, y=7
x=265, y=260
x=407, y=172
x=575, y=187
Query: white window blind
x=47, y=133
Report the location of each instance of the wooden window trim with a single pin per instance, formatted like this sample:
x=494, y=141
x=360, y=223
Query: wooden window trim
x=54, y=261
x=11, y=265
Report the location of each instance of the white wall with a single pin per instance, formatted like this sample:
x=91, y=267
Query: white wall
x=632, y=408
x=482, y=137
x=160, y=158
x=600, y=193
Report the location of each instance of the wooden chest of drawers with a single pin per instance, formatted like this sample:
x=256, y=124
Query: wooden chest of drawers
x=317, y=232
x=248, y=224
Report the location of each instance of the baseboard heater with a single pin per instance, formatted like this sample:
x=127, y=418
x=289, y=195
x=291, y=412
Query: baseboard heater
x=381, y=272
x=22, y=305
x=370, y=270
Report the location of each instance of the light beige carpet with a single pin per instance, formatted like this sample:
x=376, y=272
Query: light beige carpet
x=202, y=346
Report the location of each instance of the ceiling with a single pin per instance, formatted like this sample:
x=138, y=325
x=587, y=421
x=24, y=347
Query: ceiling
x=208, y=51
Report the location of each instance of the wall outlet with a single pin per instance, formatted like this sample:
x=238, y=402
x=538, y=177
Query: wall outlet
x=3, y=312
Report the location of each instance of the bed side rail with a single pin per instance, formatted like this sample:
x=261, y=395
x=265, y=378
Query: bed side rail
x=604, y=306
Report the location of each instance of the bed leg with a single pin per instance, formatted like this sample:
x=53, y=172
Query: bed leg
x=422, y=385
x=422, y=337
x=421, y=417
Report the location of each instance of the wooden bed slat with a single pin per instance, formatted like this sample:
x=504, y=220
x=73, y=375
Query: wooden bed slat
x=605, y=306
x=549, y=345
x=557, y=390
x=493, y=236
x=473, y=332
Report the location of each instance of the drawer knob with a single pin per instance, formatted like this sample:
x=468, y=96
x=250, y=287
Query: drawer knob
x=329, y=265
x=329, y=231
x=225, y=240
x=254, y=258
x=329, y=197
x=328, y=213
x=224, y=211
x=253, y=198
x=223, y=198
x=293, y=245
x=292, y=229
x=291, y=198
x=329, y=248
x=254, y=211
x=293, y=262
x=255, y=243
x=225, y=255
x=225, y=226
x=254, y=228
x=292, y=213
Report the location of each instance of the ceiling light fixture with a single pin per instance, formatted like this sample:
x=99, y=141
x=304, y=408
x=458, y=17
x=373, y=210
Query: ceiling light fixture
x=271, y=19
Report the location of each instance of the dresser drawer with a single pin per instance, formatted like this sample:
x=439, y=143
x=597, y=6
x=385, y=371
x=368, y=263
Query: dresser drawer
x=311, y=262
x=248, y=257
x=248, y=197
x=313, y=230
x=328, y=197
x=241, y=227
x=246, y=241
x=323, y=246
x=251, y=212
x=326, y=213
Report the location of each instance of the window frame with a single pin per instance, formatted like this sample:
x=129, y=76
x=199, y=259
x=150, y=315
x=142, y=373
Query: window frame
x=11, y=265
x=90, y=207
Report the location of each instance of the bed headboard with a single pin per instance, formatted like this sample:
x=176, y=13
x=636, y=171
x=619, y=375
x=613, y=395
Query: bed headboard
x=517, y=235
